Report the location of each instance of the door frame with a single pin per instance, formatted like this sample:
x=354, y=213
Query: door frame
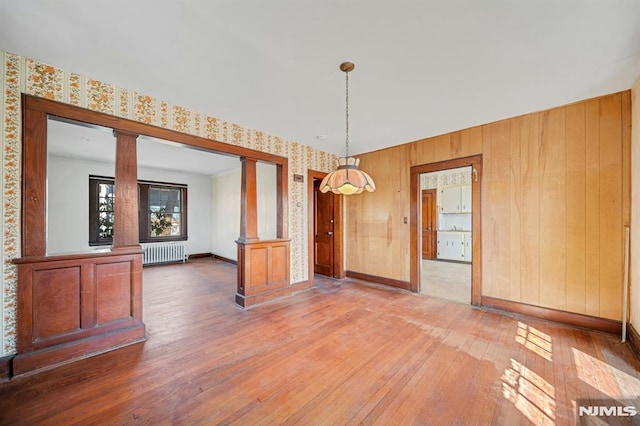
x=338, y=228
x=475, y=161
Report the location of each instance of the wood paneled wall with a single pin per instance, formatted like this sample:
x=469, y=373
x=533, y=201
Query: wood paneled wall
x=555, y=199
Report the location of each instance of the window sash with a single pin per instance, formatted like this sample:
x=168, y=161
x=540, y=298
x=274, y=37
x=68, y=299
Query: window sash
x=156, y=223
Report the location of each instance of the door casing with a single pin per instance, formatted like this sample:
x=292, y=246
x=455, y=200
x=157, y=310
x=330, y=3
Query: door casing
x=338, y=228
x=475, y=161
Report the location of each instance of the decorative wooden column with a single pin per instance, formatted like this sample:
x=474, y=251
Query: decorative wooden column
x=34, y=181
x=248, y=202
x=73, y=306
x=263, y=266
x=125, y=229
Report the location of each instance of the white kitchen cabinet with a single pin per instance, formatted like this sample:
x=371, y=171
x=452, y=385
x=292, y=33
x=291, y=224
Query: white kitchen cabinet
x=451, y=245
x=455, y=199
x=468, y=247
x=450, y=199
x=465, y=198
x=454, y=246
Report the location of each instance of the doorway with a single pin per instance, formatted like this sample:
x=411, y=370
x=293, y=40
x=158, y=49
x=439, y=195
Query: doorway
x=446, y=234
x=323, y=234
x=325, y=230
x=469, y=248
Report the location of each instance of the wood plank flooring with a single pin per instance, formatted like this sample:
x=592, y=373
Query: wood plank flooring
x=343, y=352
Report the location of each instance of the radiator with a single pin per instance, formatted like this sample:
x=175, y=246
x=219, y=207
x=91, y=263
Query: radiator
x=171, y=251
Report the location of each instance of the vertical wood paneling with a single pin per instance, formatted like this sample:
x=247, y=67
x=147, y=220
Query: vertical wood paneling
x=471, y=141
x=555, y=197
x=496, y=210
x=424, y=152
x=442, y=145
x=384, y=228
x=576, y=207
x=553, y=210
x=489, y=286
x=610, y=206
x=515, y=204
x=456, y=145
x=592, y=207
x=529, y=225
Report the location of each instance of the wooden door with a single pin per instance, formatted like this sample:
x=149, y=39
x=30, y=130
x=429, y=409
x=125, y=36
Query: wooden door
x=429, y=224
x=323, y=222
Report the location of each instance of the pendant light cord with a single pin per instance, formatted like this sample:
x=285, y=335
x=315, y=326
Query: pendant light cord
x=347, y=111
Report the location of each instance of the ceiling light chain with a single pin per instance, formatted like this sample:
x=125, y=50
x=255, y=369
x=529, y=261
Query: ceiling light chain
x=346, y=77
x=340, y=181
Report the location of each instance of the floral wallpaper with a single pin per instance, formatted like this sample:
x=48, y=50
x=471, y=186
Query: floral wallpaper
x=24, y=75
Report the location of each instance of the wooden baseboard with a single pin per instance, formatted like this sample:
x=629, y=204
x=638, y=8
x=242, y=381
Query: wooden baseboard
x=45, y=359
x=570, y=318
x=634, y=340
x=199, y=255
x=225, y=259
x=379, y=280
x=5, y=368
x=262, y=298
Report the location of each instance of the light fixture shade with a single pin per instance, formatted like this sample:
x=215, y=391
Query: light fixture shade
x=347, y=179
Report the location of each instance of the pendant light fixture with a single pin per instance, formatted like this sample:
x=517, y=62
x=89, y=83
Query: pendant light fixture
x=347, y=179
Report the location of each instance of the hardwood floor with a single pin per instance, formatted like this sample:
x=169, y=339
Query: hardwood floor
x=343, y=352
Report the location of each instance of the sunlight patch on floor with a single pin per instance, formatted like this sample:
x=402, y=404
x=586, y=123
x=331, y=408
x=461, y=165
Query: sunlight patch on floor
x=534, y=340
x=533, y=396
x=607, y=379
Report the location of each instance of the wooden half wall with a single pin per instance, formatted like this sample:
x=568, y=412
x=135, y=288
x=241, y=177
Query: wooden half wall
x=555, y=198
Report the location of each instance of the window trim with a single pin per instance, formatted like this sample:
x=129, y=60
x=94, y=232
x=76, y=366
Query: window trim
x=144, y=233
x=143, y=211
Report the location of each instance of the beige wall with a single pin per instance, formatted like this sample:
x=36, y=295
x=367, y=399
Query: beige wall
x=555, y=198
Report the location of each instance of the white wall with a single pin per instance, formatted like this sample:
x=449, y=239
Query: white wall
x=225, y=214
x=68, y=203
x=267, y=201
x=225, y=211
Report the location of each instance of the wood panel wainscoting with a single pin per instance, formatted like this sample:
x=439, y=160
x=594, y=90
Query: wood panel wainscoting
x=74, y=306
x=263, y=271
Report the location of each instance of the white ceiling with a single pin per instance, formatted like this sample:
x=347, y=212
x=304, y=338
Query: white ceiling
x=69, y=139
x=422, y=67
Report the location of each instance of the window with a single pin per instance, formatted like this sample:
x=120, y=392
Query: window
x=162, y=211
x=101, y=213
